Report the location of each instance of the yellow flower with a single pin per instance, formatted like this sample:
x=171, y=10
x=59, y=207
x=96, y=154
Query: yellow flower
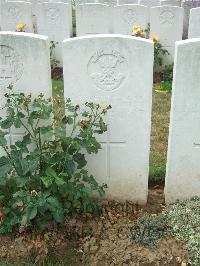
x=142, y=34
x=136, y=29
x=20, y=27
x=154, y=38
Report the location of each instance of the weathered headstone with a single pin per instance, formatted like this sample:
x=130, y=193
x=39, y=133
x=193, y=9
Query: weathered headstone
x=127, y=16
x=93, y=19
x=188, y=5
x=183, y=167
x=13, y=13
x=171, y=3
x=117, y=70
x=167, y=23
x=53, y=21
x=194, y=24
x=25, y=64
x=149, y=4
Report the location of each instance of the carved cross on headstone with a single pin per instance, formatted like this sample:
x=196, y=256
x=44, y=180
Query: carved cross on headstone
x=108, y=143
x=5, y=63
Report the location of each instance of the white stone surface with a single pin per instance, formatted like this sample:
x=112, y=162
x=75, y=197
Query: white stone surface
x=194, y=24
x=93, y=19
x=107, y=2
x=167, y=23
x=127, y=16
x=171, y=3
x=183, y=167
x=13, y=13
x=116, y=70
x=149, y=4
x=129, y=2
x=53, y=21
x=187, y=6
x=24, y=63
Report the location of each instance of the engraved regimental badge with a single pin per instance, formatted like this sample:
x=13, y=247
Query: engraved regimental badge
x=107, y=70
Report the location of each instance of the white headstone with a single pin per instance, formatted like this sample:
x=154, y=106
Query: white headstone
x=24, y=63
x=194, y=24
x=116, y=70
x=149, y=4
x=183, y=167
x=188, y=5
x=127, y=16
x=93, y=19
x=171, y=3
x=167, y=23
x=53, y=21
x=14, y=13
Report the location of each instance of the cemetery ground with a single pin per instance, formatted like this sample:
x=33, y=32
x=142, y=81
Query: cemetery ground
x=110, y=238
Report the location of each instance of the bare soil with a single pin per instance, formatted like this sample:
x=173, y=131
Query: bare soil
x=102, y=241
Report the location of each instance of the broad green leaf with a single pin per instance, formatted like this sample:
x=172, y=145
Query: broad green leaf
x=58, y=215
x=70, y=166
x=47, y=181
x=17, y=123
x=5, y=166
x=46, y=132
x=7, y=123
x=87, y=190
x=54, y=203
x=85, y=114
x=32, y=212
x=24, y=220
x=51, y=172
x=3, y=141
x=80, y=160
x=59, y=132
x=25, y=166
x=59, y=181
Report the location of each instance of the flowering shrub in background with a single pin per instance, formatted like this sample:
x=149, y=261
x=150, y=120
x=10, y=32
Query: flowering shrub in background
x=159, y=51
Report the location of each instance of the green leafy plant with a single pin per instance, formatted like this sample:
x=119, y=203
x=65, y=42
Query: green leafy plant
x=167, y=73
x=180, y=220
x=159, y=53
x=54, y=62
x=42, y=174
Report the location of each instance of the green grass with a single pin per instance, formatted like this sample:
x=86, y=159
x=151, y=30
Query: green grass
x=159, y=134
x=58, y=88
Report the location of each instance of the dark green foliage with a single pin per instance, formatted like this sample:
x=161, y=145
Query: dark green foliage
x=159, y=54
x=149, y=229
x=167, y=78
x=43, y=175
x=167, y=73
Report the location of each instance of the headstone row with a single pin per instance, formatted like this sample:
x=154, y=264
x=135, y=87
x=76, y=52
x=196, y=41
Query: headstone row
x=118, y=70
x=55, y=20
x=165, y=21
